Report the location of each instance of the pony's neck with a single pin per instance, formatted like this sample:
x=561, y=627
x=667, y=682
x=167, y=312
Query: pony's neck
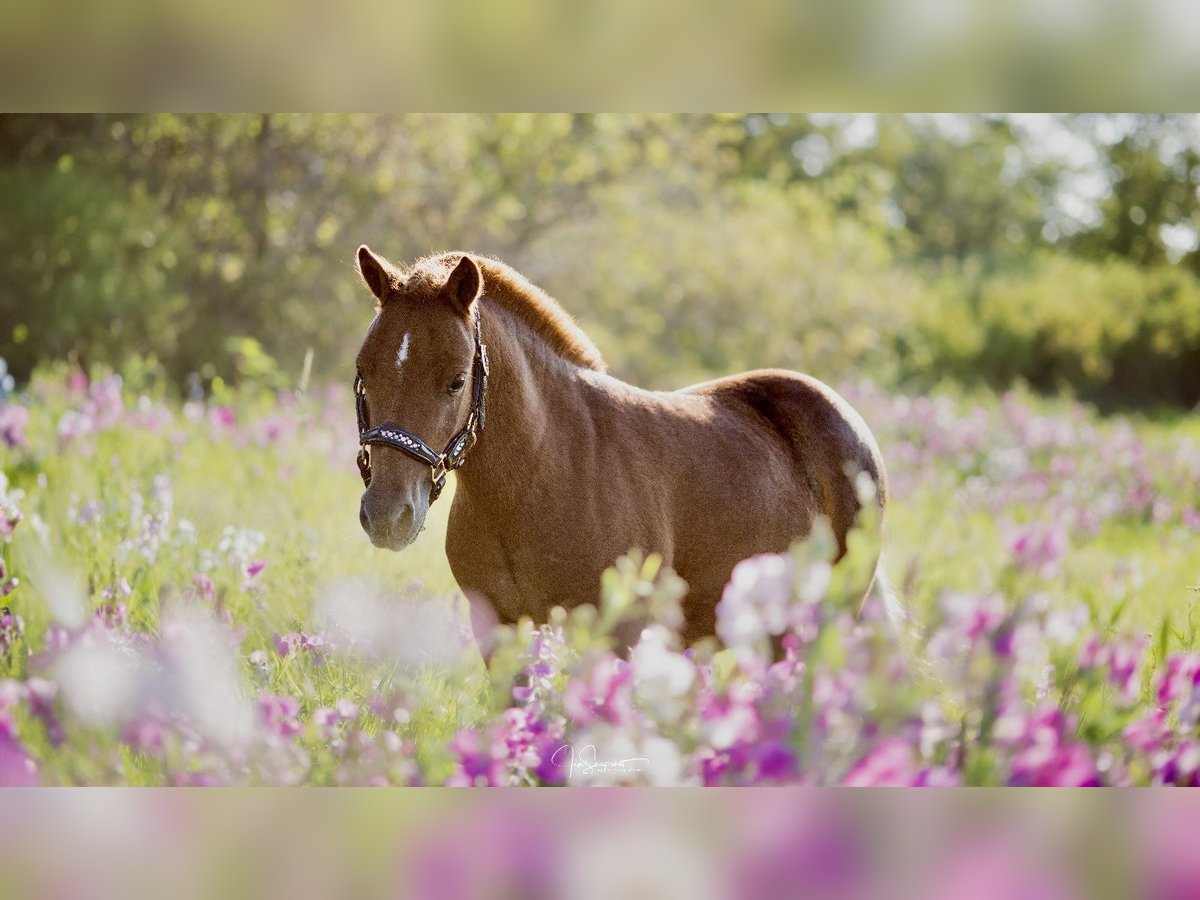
x=529, y=388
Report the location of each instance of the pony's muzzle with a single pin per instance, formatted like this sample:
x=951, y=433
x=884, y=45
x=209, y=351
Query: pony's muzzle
x=389, y=523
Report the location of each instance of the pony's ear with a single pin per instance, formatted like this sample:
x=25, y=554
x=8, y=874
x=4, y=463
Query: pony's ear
x=376, y=271
x=464, y=285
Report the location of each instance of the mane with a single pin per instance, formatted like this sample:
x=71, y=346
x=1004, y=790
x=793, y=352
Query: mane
x=512, y=291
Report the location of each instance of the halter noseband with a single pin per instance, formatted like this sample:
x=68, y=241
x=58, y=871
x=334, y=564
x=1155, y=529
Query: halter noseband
x=391, y=435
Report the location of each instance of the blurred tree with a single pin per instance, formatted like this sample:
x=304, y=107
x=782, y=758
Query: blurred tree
x=166, y=234
x=690, y=245
x=940, y=187
x=1151, y=213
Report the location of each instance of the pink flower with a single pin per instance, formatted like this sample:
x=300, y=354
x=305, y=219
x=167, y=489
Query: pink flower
x=279, y=715
x=13, y=419
x=1181, y=768
x=1148, y=733
x=889, y=764
x=937, y=776
x=1122, y=658
x=222, y=418
x=17, y=767
x=204, y=587
x=1067, y=765
x=1093, y=654
x=480, y=761
x=11, y=628
x=604, y=694
x=252, y=571
x=1178, y=677
x=285, y=642
x=145, y=736
x=1047, y=759
x=1124, y=662
x=1037, y=548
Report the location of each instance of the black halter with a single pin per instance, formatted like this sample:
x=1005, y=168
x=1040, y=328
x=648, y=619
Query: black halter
x=455, y=453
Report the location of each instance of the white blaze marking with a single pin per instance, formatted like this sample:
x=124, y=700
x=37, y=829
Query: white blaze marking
x=402, y=353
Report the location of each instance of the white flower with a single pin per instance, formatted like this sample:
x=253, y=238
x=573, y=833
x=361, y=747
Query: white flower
x=604, y=755
x=662, y=677
x=755, y=602
x=1063, y=626
x=100, y=679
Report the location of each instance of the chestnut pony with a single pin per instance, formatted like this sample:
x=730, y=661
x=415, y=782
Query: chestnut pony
x=563, y=467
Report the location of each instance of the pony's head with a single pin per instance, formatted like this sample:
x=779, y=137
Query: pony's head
x=416, y=369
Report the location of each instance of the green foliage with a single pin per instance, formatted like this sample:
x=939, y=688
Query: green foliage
x=1108, y=331
x=689, y=246
x=748, y=277
x=1155, y=187
x=79, y=253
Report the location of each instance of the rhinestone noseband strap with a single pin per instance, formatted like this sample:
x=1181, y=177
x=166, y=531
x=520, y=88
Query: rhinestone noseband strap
x=391, y=435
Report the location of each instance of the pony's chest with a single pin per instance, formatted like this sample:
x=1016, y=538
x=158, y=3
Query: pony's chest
x=525, y=565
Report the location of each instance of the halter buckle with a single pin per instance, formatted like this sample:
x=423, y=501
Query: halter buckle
x=438, y=471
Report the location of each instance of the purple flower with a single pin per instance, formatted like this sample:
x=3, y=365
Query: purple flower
x=285, y=642
x=10, y=514
x=12, y=628
x=222, y=418
x=1037, y=548
x=937, y=776
x=604, y=694
x=1093, y=654
x=966, y=620
x=145, y=735
x=328, y=719
x=13, y=419
x=1181, y=768
x=713, y=765
x=1047, y=759
x=1067, y=765
x=17, y=767
x=1178, y=678
x=279, y=715
x=1148, y=733
x=1124, y=661
x=728, y=720
x=480, y=762
x=204, y=586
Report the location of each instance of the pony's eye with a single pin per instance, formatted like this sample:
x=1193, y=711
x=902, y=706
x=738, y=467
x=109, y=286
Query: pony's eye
x=459, y=382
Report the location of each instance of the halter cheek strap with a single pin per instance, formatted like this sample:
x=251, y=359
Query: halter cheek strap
x=391, y=435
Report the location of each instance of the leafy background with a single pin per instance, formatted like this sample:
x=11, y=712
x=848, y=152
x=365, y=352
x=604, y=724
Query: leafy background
x=1056, y=250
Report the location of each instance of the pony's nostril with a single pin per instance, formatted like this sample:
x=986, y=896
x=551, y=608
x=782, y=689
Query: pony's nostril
x=387, y=522
x=404, y=518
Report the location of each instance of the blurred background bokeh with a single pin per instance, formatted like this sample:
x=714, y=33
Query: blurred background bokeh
x=1058, y=250
x=539, y=54
x=747, y=845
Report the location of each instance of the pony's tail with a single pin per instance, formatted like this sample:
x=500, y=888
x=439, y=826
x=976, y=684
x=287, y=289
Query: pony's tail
x=886, y=594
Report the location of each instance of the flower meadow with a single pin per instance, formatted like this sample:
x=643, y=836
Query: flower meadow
x=188, y=600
